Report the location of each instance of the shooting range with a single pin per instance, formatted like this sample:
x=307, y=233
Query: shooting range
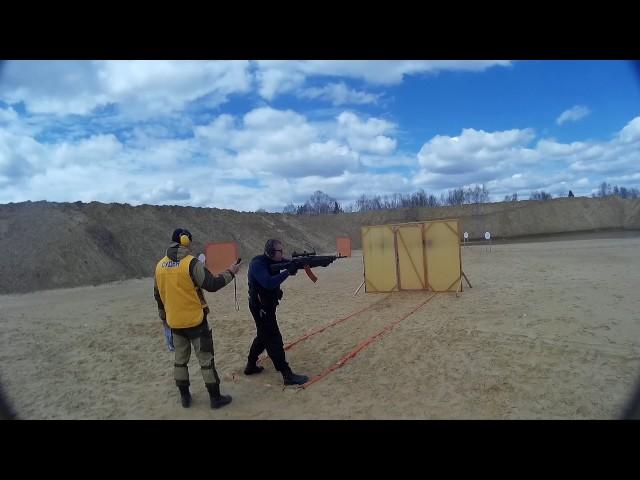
x=219, y=256
x=343, y=246
x=479, y=356
x=403, y=171
x=412, y=256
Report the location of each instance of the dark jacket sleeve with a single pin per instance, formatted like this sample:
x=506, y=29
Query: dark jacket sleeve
x=260, y=271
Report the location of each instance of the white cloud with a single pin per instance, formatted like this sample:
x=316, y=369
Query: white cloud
x=271, y=119
x=267, y=157
x=346, y=187
x=217, y=131
x=7, y=116
x=148, y=88
x=140, y=88
x=167, y=191
x=272, y=131
x=11, y=121
x=279, y=76
x=52, y=86
x=551, y=148
x=321, y=158
x=524, y=183
x=388, y=161
x=93, y=150
x=574, y=114
x=476, y=150
x=339, y=94
x=610, y=158
x=366, y=136
x=631, y=132
x=505, y=163
x=270, y=141
x=19, y=157
x=146, y=167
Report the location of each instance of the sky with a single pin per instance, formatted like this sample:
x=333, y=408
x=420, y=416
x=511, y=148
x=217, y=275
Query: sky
x=249, y=135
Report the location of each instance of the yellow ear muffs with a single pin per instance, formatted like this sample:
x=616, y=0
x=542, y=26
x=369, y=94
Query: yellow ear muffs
x=184, y=240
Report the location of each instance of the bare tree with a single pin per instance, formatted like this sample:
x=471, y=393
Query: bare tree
x=321, y=203
x=541, y=195
x=455, y=196
x=290, y=208
x=477, y=194
x=605, y=190
x=432, y=201
x=511, y=198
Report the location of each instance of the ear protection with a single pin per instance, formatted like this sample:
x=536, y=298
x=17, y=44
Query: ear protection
x=185, y=241
x=182, y=236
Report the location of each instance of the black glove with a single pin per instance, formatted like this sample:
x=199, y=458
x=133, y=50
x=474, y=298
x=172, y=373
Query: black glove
x=292, y=268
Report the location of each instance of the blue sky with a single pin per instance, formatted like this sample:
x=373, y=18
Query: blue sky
x=246, y=135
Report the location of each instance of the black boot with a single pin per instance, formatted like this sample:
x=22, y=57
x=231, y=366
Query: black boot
x=291, y=378
x=252, y=368
x=185, y=396
x=215, y=398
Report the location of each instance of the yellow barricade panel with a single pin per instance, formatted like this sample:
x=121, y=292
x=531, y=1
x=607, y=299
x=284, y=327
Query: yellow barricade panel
x=443, y=255
x=379, y=256
x=411, y=257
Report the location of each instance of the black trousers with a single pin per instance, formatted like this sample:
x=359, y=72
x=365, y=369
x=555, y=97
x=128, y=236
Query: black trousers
x=268, y=337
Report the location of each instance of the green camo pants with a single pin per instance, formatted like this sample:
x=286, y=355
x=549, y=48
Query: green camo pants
x=202, y=340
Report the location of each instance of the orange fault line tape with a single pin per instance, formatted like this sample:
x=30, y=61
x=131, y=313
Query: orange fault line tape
x=362, y=345
x=329, y=325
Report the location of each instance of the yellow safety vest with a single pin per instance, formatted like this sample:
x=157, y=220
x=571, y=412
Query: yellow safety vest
x=182, y=304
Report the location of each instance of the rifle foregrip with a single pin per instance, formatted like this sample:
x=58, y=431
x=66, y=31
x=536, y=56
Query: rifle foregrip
x=301, y=262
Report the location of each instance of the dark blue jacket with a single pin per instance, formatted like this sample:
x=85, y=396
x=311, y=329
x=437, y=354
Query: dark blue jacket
x=264, y=286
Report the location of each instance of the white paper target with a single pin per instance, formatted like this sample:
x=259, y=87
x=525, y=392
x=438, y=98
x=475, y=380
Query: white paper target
x=487, y=235
x=466, y=235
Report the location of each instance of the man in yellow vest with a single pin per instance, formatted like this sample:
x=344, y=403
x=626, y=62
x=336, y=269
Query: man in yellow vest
x=179, y=280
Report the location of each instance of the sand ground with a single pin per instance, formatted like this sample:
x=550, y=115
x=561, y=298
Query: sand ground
x=550, y=330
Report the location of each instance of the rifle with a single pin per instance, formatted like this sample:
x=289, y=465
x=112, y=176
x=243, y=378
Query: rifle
x=305, y=261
